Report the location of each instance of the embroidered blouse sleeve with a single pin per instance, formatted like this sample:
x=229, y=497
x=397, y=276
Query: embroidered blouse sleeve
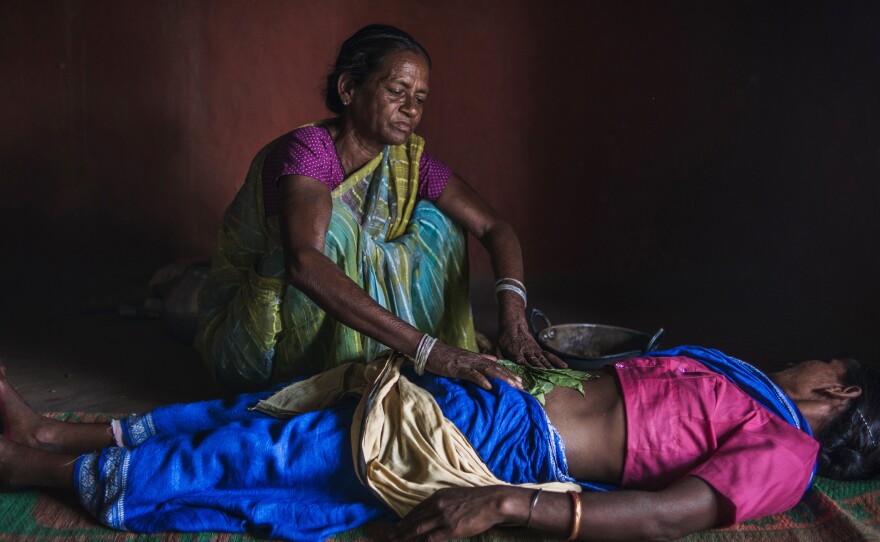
x=433, y=176
x=307, y=151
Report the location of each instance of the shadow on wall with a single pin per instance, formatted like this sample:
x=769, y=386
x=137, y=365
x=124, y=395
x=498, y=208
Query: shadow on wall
x=67, y=233
x=710, y=169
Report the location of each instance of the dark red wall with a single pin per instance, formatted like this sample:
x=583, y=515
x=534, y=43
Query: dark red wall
x=689, y=164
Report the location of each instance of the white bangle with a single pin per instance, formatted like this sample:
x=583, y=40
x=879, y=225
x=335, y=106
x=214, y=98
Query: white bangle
x=510, y=287
x=116, y=431
x=422, y=352
x=510, y=279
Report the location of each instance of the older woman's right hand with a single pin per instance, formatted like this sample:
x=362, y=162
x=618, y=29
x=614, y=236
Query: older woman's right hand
x=454, y=362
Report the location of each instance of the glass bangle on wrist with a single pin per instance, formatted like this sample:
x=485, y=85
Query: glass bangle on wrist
x=510, y=279
x=516, y=287
x=576, y=516
x=532, y=505
x=422, y=352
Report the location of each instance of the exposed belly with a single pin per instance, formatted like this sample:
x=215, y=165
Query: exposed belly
x=593, y=428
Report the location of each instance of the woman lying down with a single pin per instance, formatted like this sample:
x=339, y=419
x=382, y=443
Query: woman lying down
x=692, y=439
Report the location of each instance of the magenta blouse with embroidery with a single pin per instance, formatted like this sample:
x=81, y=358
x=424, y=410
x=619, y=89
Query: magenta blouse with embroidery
x=309, y=151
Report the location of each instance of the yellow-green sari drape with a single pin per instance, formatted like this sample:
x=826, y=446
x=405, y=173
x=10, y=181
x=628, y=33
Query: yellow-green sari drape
x=255, y=329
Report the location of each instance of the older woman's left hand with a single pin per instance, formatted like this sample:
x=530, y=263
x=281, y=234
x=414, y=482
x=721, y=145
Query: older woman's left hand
x=519, y=346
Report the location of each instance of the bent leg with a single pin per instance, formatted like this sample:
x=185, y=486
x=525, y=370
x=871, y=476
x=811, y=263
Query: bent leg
x=238, y=337
x=438, y=293
x=239, y=303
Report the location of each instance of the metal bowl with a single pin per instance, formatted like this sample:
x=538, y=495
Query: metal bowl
x=590, y=346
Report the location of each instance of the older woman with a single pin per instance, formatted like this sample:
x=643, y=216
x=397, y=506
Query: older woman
x=347, y=239
x=695, y=439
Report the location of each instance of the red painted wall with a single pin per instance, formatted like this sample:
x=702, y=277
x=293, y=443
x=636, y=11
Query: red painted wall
x=148, y=115
x=698, y=162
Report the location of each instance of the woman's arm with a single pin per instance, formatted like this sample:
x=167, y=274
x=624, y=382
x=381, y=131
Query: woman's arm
x=687, y=506
x=304, y=213
x=463, y=205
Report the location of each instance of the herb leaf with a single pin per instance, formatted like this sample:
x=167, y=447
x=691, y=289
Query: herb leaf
x=538, y=381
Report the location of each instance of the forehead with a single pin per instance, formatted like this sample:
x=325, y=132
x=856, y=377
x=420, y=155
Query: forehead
x=833, y=365
x=406, y=66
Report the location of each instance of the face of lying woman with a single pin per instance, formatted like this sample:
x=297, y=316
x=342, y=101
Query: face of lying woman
x=387, y=107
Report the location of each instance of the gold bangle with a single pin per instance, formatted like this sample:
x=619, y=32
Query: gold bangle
x=576, y=519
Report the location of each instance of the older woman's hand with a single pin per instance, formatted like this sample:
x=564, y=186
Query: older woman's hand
x=463, y=512
x=454, y=362
x=519, y=346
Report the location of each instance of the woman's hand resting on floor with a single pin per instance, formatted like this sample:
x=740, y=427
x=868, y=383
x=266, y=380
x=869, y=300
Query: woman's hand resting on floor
x=462, y=512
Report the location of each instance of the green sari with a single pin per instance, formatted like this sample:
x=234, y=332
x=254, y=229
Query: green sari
x=256, y=329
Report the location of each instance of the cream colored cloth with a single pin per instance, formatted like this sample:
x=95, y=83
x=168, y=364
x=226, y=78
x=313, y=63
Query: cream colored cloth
x=402, y=445
x=317, y=392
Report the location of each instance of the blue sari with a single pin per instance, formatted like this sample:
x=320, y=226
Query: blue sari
x=217, y=466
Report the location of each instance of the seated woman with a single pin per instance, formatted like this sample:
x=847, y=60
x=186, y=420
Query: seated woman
x=348, y=238
x=693, y=438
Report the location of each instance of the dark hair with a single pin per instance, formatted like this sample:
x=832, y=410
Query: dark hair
x=851, y=442
x=363, y=53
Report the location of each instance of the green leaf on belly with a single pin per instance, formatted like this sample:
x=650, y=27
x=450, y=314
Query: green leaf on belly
x=539, y=381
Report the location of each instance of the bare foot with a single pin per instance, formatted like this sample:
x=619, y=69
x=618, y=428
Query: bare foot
x=21, y=466
x=21, y=424
x=8, y=452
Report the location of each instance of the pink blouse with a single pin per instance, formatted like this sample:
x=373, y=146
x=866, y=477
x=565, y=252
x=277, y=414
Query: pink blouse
x=310, y=151
x=684, y=419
